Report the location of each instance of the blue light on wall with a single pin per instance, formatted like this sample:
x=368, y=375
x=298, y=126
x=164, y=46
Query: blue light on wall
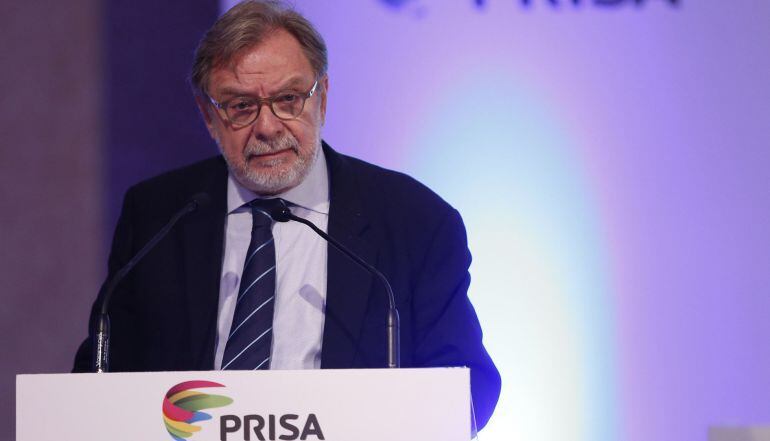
x=540, y=266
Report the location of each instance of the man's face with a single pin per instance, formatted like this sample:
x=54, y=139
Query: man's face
x=270, y=155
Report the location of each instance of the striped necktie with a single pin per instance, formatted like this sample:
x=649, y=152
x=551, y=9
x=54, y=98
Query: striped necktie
x=248, y=345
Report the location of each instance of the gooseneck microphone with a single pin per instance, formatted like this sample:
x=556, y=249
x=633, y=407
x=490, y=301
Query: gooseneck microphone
x=280, y=212
x=101, y=336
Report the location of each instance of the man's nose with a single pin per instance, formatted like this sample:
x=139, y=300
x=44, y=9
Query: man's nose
x=267, y=125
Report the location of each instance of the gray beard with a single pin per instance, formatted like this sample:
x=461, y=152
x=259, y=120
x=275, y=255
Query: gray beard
x=271, y=183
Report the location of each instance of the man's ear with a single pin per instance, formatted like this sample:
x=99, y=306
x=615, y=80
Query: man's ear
x=324, y=94
x=205, y=109
x=207, y=113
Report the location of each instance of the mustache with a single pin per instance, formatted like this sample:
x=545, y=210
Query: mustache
x=260, y=147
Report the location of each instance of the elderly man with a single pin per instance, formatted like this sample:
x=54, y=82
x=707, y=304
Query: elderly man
x=230, y=289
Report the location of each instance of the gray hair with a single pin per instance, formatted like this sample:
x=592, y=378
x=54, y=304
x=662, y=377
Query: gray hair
x=247, y=24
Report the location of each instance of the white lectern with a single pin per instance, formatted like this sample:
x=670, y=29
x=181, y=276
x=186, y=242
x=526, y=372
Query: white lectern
x=333, y=405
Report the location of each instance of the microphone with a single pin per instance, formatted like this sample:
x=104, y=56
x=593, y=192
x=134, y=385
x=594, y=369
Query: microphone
x=101, y=338
x=280, y=212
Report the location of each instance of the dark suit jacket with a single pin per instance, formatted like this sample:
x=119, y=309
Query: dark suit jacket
x=164, y=314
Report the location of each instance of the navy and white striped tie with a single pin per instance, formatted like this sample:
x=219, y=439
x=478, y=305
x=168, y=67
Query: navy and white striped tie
x=248, y=346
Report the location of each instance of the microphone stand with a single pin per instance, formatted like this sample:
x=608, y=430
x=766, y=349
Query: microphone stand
x=280, y=212
x=102, y=335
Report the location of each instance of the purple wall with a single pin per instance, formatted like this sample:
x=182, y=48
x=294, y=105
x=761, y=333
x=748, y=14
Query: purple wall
x=50, y=186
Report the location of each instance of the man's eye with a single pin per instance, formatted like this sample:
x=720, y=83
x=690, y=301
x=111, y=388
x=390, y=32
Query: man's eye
x=241, y=105
x=287, y=98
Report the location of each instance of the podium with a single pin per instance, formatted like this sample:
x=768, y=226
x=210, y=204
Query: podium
x=334, y=405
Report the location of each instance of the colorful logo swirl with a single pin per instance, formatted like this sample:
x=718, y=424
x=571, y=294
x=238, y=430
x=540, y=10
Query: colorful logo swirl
x=182, y=407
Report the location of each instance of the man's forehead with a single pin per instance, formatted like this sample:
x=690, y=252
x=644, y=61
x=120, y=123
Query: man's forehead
x=278, y=61
x=233, y=87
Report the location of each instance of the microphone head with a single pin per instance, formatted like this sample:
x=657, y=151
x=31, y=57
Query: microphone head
x=278, y=210
x=200, y=200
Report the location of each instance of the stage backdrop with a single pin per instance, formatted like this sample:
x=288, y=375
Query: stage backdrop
x=611, y=161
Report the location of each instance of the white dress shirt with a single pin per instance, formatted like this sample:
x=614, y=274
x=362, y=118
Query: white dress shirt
x=300, y=254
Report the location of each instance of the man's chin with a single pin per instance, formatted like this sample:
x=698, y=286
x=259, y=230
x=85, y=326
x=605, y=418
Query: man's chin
x=270, y=176
x=268, y=181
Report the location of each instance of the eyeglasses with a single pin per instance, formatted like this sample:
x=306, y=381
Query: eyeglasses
x=243, y=111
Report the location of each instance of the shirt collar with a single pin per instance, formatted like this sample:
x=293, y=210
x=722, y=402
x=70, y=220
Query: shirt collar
x=312, y=193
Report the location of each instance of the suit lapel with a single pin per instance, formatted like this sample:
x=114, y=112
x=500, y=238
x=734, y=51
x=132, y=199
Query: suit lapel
x=202, y=248
x=348, y=285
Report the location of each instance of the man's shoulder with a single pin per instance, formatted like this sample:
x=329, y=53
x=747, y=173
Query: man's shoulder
x=205, y=169
x=388, y=186
x=388, y=192
x=174, y=188
x=192, y=178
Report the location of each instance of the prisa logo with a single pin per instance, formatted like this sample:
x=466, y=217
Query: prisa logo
x=286, y=427
x=182, y=407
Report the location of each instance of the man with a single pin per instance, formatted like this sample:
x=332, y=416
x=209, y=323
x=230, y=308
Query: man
x=228, y=289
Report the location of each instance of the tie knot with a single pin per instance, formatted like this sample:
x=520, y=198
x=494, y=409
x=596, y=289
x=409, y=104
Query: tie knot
x=263, y=210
